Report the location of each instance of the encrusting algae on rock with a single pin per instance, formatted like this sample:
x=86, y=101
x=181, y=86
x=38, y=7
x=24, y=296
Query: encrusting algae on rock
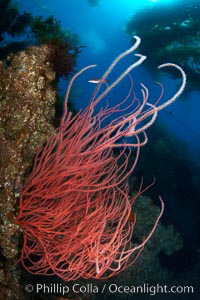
x=27, y=107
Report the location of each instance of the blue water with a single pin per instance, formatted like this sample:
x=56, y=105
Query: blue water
x=101, y=29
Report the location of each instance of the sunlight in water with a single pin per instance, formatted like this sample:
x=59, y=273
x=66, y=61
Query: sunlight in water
x=162, y=1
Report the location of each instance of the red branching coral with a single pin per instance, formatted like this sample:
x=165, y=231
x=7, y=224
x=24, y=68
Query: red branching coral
x=75, y=208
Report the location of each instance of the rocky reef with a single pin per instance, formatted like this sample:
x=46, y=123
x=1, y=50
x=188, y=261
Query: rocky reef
x=27, y=108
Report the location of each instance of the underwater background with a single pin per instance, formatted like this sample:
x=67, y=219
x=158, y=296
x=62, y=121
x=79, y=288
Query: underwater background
x=86, y=32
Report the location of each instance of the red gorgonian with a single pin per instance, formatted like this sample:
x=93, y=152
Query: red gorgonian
x=75, y=207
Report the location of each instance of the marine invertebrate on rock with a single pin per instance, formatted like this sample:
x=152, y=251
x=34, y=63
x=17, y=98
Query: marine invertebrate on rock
x=75, y=207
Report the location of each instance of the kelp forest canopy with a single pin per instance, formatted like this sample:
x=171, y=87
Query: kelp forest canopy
x=170, y=36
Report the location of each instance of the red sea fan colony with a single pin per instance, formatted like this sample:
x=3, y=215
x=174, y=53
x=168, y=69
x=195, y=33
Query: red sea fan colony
x=75, y=206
